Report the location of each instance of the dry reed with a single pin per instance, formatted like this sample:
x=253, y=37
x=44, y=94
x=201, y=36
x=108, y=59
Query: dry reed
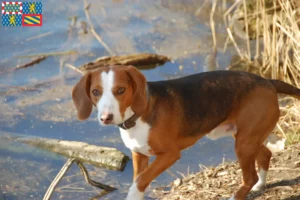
x=275, y=25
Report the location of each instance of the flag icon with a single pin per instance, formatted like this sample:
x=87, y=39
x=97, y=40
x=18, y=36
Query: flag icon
x=32, y=7
x=11, y=8
x=32, y=20
x=17, y=13
x=11, y=20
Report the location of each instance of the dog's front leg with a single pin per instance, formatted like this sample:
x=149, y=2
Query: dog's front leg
x=162, y=162
x=140, y=163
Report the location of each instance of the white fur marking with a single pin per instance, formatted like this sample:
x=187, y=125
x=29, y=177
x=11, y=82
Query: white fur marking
x=136, y=138
x=108, y=103
x=223, y=130
x=275, y=143
x=261, y=183
x=134, y=193
x=232, y=198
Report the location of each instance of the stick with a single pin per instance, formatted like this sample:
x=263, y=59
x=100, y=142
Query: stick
x=211, y=58
x=74, y=68
x=33, y=62
x=62, y=53
x=140, y=61
x=97, y=36
x=106, y=157
x=247, y=29
x=39, y=36
x=212, y=25
x=58, y=177
x=90, y=181
x=82, y=168
x=234, y=43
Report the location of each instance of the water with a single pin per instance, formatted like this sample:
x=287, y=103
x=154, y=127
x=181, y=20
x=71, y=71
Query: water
x=45, y=108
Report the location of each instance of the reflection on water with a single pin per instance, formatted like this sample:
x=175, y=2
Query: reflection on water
x=36, y=101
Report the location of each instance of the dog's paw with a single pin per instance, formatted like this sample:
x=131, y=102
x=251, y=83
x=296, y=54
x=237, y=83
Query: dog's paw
x=134, y=193
x=259, y=186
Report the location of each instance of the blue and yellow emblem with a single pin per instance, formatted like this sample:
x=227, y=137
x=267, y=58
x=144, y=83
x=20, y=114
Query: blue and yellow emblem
x=11, y=20
x=22, y=13
x=32, y=8
x=32, y=20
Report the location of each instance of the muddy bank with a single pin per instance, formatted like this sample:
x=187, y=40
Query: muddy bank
x=220, y=182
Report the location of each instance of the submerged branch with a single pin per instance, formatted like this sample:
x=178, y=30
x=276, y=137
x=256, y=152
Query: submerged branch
x=31, y=63
x=84, y=171
x=106, y=157
x=97, y=36
x=140, y=61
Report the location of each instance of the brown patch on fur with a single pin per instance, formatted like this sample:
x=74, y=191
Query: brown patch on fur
x=139, y=98
x=81, y=97
x=82, y=93
x=140, y=163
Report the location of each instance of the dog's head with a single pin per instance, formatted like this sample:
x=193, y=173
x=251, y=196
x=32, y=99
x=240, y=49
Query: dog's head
x=117, y=91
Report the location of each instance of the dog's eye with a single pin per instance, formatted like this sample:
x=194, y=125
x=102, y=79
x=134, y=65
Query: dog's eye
x=96, y=92
x=121, y=90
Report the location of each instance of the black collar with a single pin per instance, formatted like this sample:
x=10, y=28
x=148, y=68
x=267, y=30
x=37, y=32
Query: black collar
x=129, y=123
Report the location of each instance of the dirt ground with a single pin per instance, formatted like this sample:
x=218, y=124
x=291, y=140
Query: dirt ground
x=220, y=182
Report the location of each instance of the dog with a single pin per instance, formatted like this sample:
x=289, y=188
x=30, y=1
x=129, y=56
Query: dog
x=163, y=118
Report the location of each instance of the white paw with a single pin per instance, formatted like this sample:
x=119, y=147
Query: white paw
x=232, y=198
x=259, y=186
x=261, y=183
x=134, y=193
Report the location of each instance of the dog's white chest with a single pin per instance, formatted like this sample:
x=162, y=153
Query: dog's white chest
x=136, y=138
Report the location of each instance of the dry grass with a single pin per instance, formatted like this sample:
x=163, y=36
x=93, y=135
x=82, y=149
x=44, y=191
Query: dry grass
x=220, y=182
x=275, y=28
x=288, y=124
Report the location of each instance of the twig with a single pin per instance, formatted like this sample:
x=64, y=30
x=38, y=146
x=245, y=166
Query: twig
x=228, y=11
x=211, y=58
x=82, y=168
x=39, y=36
x=59, y=53
x=97, y=36
x=58, y=177
x=90, y=181
x=33, y=62
x=247, y=31
x=212, y=24
x=74, y=68
x=234, y=43
x=288, y=34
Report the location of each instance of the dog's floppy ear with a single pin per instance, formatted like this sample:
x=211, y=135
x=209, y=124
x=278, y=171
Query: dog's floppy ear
x=139, y=98
x=81, y=97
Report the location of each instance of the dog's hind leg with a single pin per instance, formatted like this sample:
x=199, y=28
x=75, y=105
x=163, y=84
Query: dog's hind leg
x=262, y=107
x=263, y=160
x=246, y=154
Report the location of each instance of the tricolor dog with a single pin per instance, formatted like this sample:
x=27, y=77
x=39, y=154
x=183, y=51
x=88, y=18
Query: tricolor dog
x=165, y=117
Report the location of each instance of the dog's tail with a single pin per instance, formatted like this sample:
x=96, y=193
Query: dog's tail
x=285, y=88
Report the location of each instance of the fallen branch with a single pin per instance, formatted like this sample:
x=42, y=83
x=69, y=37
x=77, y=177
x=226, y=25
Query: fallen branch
x=90, y=181
x=74, y=68
x=140, y=61
x=58, y=177
x=106, y=157
x=39, y=36
x=59, y=53
x=82, y=168
x=97, y=36
x=33, y=62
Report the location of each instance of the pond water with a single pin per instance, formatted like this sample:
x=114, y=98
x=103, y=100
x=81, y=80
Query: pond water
x=36, y=101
